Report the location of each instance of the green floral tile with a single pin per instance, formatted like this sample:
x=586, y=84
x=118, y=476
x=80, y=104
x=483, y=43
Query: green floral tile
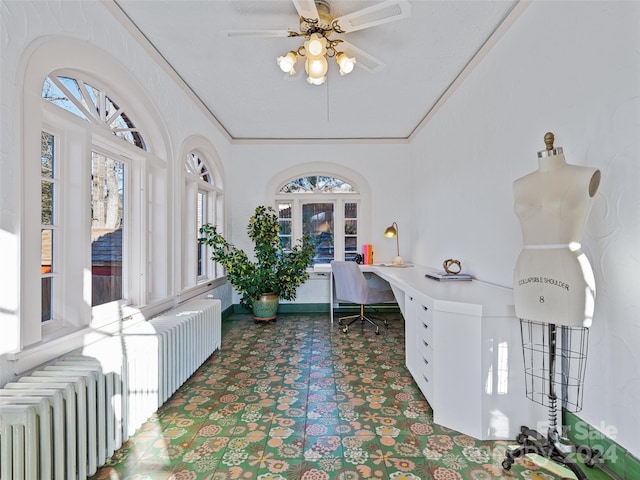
x=300, y=400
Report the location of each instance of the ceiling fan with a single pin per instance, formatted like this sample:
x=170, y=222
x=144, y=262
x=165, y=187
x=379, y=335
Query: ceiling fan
x=317, y=25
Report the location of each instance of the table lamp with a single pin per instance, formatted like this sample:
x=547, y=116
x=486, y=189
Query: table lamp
x=391, y=232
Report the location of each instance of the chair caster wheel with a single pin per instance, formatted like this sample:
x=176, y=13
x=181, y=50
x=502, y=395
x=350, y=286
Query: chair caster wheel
x=377, y=332
x=345, y=330
x=506, y=463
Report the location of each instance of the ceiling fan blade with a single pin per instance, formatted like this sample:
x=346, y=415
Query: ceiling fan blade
x=306, y=8
x=385, y=12
x=363, y=59
x=258, y=33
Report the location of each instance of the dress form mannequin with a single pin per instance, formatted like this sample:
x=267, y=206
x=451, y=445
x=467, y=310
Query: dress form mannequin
x=553, y=280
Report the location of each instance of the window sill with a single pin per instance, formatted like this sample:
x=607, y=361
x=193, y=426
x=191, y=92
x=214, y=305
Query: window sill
x=61, y=341
x=53, y=345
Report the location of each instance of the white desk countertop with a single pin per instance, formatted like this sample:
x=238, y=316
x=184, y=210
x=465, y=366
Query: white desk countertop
x=473, y=297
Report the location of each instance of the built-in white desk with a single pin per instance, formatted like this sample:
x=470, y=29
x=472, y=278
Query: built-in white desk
x=464, y=350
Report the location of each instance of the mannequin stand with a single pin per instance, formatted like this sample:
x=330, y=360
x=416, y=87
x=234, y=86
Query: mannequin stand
x=541, y=352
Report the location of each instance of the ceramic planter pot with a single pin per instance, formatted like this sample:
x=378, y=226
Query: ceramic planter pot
x=265, y=307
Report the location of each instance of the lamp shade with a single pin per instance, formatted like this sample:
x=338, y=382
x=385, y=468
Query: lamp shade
x=316, y=68
x=316, y=46
x=346, y=63
x=391, y=232
x=287, y=63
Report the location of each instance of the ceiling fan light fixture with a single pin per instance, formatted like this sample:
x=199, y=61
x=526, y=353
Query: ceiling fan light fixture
x=345, y=63
x=316, y=45
x=288, y=62
x=316, y=68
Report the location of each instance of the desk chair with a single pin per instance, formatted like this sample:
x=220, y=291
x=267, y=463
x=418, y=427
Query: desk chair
x=352, y=287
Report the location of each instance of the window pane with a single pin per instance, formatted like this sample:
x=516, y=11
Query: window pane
x=350, y=231
x=107, y=223
x=52, y=93
x=47, y=291
x=46, y=262
x=91, y=104
x=46, y=250
x=46, y=155
x=317, y=184
x=200, y=220
x=284, y=210
x=286, y=227
x=350, y=210
x=351, y=227
x=46, y=203
x=317, y=221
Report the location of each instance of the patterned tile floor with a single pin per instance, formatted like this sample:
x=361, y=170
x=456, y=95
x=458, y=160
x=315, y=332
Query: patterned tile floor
x=298, y=400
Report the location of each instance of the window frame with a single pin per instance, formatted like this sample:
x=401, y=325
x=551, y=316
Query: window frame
x=360, y=196
x=194, y=183
x=76, y=139
x=54, y=323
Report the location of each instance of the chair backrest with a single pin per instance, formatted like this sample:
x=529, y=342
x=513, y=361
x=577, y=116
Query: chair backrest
x=351, y=285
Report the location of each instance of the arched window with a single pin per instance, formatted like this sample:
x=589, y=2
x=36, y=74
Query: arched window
x=203, y=203
x=92, y=163
x=88, y=102
x=327, y=208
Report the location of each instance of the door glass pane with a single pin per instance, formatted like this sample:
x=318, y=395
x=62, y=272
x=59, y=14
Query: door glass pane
x=107, y=224
x=317, y=222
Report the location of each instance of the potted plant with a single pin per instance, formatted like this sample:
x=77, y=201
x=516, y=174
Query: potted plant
x=275, y=273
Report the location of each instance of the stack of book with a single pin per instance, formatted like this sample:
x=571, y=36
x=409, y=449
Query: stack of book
x=367, y=253
x=448, y=277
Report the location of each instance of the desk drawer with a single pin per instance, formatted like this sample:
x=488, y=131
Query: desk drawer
x=425, y=323
x=425, y=376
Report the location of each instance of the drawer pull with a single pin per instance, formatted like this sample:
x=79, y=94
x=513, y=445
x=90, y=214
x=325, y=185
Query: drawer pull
x=425, y=308
x=425, y=343
x=425, y=325
x=425, y=378
x=426, y=362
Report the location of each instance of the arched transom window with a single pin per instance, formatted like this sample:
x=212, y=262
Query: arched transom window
x=86, y=101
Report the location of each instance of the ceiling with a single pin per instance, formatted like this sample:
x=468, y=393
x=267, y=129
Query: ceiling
x=240, y=84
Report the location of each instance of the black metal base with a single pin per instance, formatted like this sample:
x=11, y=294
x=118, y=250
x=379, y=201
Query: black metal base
x=533, y=442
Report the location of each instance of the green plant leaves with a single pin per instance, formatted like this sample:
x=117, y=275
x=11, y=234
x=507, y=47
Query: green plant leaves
x=274, y=269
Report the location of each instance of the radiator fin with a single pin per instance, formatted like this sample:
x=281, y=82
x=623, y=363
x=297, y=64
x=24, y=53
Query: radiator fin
x=66, y=419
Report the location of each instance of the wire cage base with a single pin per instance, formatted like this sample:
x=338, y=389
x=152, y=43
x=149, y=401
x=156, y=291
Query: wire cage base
x=554, y=356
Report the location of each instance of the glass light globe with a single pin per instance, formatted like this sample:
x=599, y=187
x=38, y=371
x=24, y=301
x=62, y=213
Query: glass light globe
x=288, y=62
x=346, y=63
x=316, y=45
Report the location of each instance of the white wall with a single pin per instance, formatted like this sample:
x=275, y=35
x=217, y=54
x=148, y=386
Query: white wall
x=572, y=68
x=28, y=27
x=383, y=167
